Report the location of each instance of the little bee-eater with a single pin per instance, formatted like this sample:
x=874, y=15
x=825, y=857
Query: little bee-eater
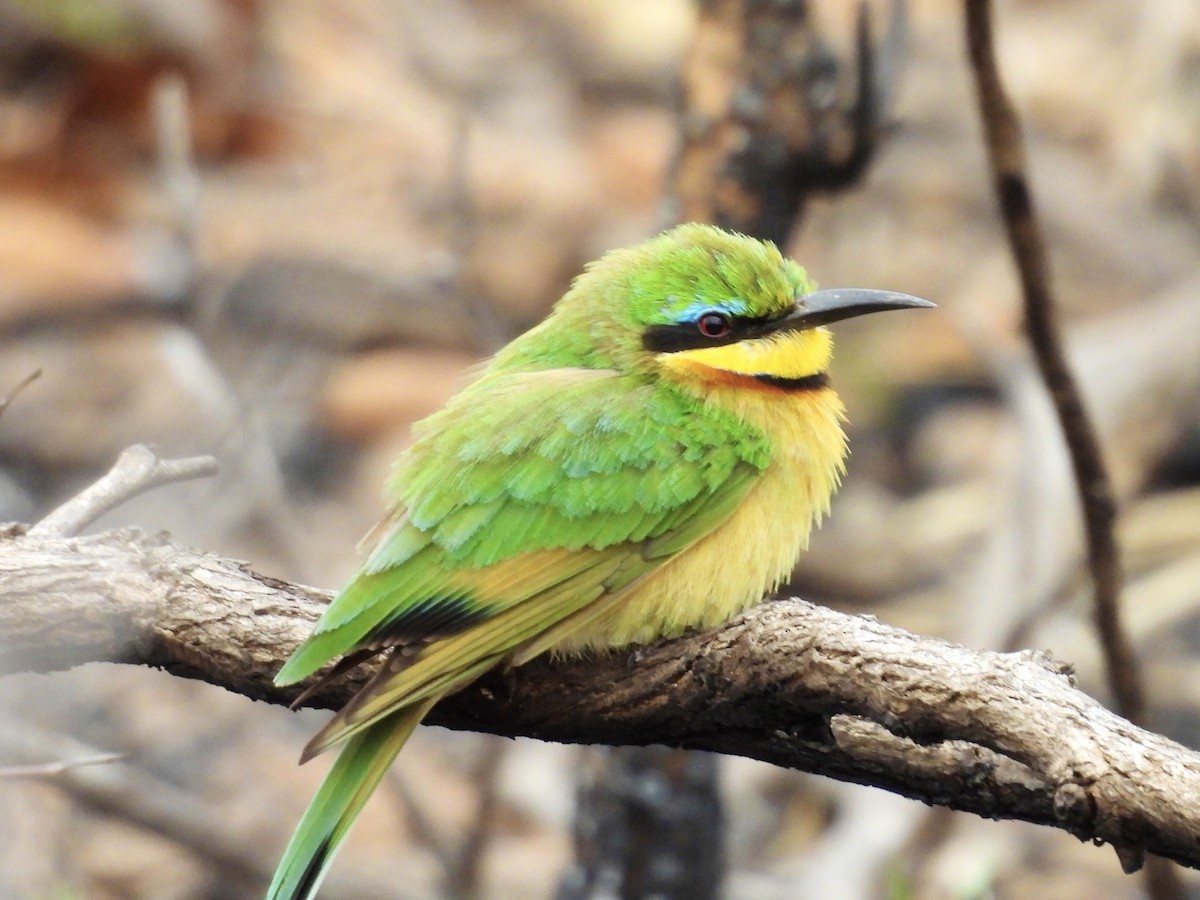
x=649, y=459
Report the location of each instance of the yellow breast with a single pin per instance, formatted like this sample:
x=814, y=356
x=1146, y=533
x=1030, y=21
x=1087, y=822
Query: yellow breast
x=733, y=567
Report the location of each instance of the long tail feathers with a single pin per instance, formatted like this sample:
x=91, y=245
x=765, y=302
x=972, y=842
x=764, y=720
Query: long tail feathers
x=358, y=769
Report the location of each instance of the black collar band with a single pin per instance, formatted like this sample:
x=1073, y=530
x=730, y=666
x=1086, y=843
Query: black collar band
x=807, y=383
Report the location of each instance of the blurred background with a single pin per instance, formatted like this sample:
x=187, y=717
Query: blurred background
x=279, y=232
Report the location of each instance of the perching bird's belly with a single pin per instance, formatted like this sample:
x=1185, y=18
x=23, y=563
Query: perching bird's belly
x=733, y=567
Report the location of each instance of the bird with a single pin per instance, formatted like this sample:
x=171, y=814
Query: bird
x=649, y=459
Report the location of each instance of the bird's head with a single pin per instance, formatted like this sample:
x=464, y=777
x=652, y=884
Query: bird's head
x=697, y=303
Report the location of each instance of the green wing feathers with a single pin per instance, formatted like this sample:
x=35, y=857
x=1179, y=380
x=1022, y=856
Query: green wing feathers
x=504, y=540
x=455, y=661
x=612, y=457
x=619, y=467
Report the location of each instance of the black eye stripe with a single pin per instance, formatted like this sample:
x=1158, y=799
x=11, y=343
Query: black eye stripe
x=688, y=336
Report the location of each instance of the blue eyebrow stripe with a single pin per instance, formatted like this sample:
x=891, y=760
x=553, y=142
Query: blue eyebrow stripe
x=694, y=310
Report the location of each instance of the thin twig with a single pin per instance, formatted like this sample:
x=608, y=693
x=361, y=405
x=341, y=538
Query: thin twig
x=489, y=330
x=176, y=164
x=424, y=832
x=50, y=769
x=137, y=470
x=461, y=862
x=123, y=790
x=25, y=382
x=464, y=877
x=1006, y=156
x=127, y=792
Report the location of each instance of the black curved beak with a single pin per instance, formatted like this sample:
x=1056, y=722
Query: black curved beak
x=823, y=307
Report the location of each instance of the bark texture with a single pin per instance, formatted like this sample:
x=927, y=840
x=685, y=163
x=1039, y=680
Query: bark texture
x=1003, y=735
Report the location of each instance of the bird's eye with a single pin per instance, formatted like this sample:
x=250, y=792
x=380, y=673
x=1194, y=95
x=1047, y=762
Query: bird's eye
x=713, y=324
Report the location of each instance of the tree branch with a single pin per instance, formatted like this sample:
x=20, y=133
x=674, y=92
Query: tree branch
x=999, y=734
x=763, y=125
x=137, y=470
